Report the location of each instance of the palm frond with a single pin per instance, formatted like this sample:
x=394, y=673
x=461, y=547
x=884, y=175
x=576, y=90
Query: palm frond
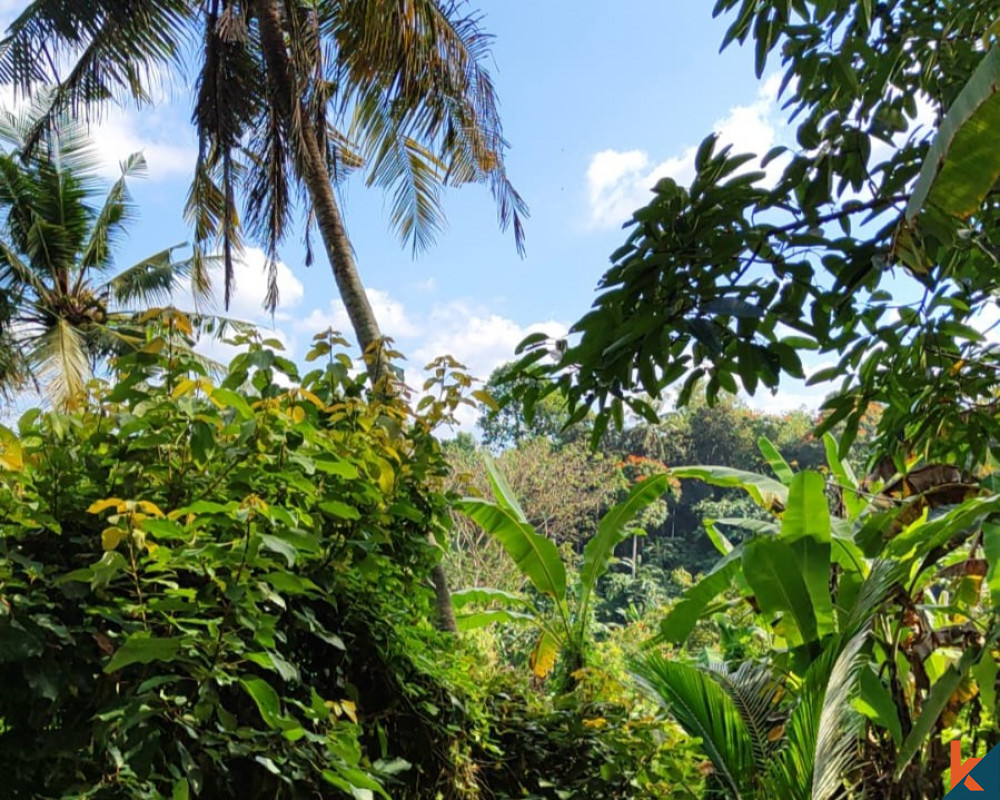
x=115, y=213
x=701, y=707
x=149, y=282
x=14, y=369
x=823, y=730
x=230, y=95
x=114, y=49
x=400, y=164
x=882, y=579
x=423, y=62
x=269, y=183
x=58, y=356
x=46, y=193
x=201, y=278
x=18, y=275
x=753, y=688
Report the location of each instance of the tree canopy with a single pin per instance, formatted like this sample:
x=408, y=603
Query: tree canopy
x=68, y=306
x=812, y=247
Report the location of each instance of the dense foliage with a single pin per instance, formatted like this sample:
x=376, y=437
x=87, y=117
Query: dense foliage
x=186, y=570
x=224, y=585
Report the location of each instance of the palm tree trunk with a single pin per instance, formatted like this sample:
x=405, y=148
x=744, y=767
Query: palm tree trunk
x=315, y=174
x=313, y=170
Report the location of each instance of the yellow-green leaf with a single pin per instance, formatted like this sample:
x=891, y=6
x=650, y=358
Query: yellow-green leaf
x=103, y=505
x=112, y=537
x=543, y=657
x=11, y=457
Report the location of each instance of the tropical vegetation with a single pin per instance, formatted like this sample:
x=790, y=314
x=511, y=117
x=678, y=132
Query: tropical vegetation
x=233, y=581
x=67, y=307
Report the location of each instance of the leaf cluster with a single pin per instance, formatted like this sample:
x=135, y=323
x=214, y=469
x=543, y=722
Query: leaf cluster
x=187, y=579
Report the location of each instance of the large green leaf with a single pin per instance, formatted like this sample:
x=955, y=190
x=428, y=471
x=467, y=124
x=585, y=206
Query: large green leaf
x=504, y=495
x=807, y=514
x=991, y=548
x=612, y=530
x=875, y=701
x=771, y=568
x=141, y=648
x=536, y=557
x=805, y=527
x=10, y=451
x=937, y=700
x=492, y=616
x=775, y=460
x=766, y=492
x=963, y=163
x=268, y=703
x=931, y=711
x=924, y=535
x=985, y=673
x=685, y=615
x=485, y=595
x=703, y=709
x=847, y=482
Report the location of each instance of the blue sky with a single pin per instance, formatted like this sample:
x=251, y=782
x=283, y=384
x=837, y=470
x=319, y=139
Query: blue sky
x=597, y=104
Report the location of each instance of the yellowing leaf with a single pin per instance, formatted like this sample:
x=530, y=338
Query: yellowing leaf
x=10, y=451
x=154, y=347
x=486, y=399
x=350, y=709
x=386, y=476
x=543, y=657
x=182, y=388
x=103, y=505
x=181, y=322
x=298, y=414
x=112, y=537
x=305, y=394
x=149, y=508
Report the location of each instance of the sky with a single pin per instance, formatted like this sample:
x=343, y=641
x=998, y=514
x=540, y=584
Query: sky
x=598, y=102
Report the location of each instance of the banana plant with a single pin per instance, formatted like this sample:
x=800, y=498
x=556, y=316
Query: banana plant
x=932, y=652
x=963, y=165
x=565, y=631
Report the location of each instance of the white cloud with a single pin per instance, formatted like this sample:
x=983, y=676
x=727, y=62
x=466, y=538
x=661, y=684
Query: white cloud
x=618, y=182
x=247, y=302
x=251, y=287
x=167, y=145
x=393, y=318
x=476, y=337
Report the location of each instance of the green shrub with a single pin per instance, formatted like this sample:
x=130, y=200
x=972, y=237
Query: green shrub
x=202, y=587
x=599, y=741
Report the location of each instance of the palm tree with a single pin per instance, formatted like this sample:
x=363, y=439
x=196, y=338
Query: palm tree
x=290, y=93
x=293, y=94
x=64, y=306
x=757, y=748
x=769, y=733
